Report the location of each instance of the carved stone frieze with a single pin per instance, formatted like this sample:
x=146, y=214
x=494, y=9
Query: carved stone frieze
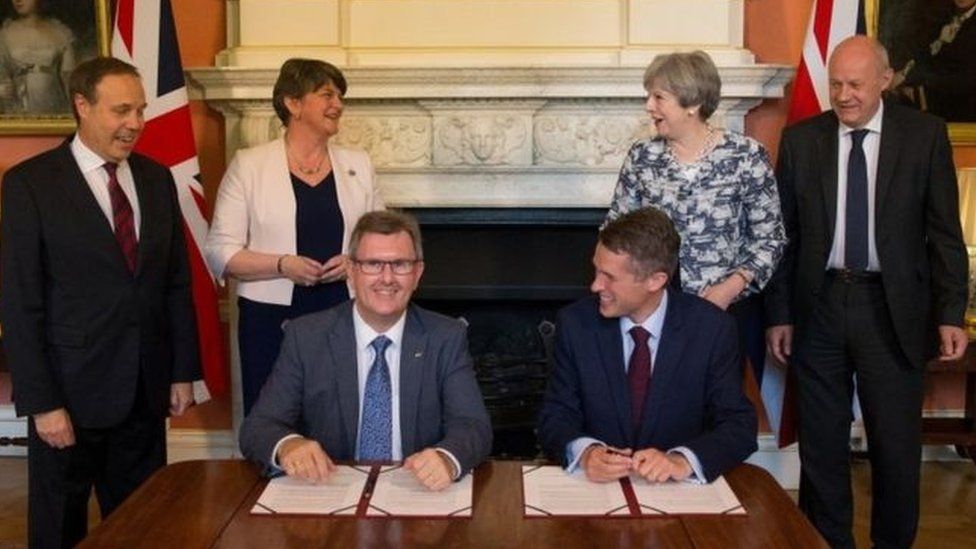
x=391, y=141
x=579, y=140
x=482, y=140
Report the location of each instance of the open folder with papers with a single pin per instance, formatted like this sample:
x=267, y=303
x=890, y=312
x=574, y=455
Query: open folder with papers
x=364, y=491
x=549, y=491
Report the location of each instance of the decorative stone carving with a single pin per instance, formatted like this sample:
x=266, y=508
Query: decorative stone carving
x=574, y=140
x=390, y=140
x=482, y=140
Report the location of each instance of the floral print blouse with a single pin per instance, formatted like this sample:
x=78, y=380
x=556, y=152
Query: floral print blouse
x=725, y=207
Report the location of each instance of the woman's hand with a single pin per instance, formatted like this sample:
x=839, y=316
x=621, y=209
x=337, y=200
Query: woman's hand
x=335, y=268
x=725, y=292
x=301, y=270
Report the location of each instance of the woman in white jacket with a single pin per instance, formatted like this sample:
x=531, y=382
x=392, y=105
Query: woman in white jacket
x=284, y=214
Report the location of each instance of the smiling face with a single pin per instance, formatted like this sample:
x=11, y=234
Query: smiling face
x=382, y=298
x=621, y=290
x=671, y=120
x=857, y=76
x=111, y=124
x=318, y=110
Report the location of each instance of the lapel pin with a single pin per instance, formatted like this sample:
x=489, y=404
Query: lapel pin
x=418, y=354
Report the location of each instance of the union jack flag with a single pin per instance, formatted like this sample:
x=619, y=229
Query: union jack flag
x=146, y=38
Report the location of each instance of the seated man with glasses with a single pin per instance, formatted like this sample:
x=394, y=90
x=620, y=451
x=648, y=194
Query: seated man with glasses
x=375, y=378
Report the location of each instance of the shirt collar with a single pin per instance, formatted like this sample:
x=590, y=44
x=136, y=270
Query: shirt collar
x=365, y=334
x=653, y=324
x=873, y=125
x=87, y=159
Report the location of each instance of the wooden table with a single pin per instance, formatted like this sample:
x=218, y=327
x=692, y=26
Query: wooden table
x=957, y=431
x=207, y=504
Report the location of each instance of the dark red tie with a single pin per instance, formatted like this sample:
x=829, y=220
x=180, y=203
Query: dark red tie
x=125, y=229
x=639, y=374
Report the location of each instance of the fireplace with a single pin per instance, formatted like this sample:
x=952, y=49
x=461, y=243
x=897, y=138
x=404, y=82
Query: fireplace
x=507, y=272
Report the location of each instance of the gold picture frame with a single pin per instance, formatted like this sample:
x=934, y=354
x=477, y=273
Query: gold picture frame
x=33, y=95
x=913, y=29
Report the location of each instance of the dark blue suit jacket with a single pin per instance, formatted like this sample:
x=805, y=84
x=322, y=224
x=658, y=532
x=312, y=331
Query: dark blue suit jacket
x=695, y=400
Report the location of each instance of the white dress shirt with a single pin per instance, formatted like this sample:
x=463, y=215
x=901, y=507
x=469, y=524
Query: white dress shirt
x=871, y=146
x=654, y=324
x=92, y=167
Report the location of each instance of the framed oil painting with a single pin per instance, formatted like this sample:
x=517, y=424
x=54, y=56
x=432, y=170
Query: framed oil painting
x=41, y=41
x=932, y=49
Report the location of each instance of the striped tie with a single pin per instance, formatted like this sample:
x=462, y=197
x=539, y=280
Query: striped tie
x=125, y=230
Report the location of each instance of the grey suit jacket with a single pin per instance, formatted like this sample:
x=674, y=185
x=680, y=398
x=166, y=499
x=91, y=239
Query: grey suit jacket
x=313, y=390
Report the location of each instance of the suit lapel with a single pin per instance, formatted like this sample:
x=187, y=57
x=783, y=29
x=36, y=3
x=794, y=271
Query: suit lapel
x=611, y=352
x=91, y=218
x=891, y=138
x=342, y=342
x=827, y=155
x=147, y=224
x=412, y=358
x=666, y=363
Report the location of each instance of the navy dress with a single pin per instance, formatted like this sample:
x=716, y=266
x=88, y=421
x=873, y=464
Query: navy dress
x=319, y=228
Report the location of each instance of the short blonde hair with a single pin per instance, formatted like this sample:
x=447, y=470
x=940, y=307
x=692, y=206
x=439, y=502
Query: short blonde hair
x=691, y=77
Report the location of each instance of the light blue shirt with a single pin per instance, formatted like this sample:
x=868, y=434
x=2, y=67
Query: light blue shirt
x=654, y=324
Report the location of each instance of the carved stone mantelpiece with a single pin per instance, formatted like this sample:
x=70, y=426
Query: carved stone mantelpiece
x=491, y=137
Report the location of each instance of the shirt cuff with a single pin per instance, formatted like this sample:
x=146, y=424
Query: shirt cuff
x=457, y=465
x=697, y=477
x=575, y=449
x=273, y=462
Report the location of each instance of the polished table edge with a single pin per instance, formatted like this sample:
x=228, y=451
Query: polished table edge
x=239, y=484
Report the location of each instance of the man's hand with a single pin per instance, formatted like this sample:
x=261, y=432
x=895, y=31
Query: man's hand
x=55, y=428
x=180, y=398
x=779, y=342
x=952, y=342
x=434, y=470
x=304, y=458
x=606, y=463
x=657, y=466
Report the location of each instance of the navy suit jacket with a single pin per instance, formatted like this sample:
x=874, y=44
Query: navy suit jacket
x=80, y=330
x=695, y=399
x=313, y=389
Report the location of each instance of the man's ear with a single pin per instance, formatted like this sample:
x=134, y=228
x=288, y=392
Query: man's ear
x=656, y=281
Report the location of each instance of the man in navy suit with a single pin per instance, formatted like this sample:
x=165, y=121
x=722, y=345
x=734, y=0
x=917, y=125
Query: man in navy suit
x=97, y=312
x=374, y=379
x=646, y=379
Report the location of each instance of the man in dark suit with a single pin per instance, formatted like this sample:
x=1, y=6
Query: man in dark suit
x=97, y=314
x=374, y=379
x=875, y=260
x=646, y=379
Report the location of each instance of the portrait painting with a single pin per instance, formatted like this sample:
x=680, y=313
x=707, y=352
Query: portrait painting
x=41, y=41
x=932, y=49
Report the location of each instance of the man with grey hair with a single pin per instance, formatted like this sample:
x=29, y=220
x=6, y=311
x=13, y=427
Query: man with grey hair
x=875, y=262
x=373, y=379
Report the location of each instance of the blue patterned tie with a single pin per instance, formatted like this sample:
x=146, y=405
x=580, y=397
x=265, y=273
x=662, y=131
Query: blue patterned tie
x=856, y=224
x=376, y=433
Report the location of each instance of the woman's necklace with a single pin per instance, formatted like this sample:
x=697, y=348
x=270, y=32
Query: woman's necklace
x=303, y=169
x=707, y=144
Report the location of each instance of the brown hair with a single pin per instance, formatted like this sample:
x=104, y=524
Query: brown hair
x=648, y=236
x=85, y=78
x=386, y=222
x=298, y=77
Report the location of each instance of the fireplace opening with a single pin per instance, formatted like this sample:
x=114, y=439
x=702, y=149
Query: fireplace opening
x=506, y=272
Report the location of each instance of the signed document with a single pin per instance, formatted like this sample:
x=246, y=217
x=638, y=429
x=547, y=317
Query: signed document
x=676, y=498
x=398, y=493
x=339, y=495
x=550, y=491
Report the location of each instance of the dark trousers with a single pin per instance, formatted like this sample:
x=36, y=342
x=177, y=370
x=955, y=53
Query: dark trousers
x=115, y=460
x=850, y=334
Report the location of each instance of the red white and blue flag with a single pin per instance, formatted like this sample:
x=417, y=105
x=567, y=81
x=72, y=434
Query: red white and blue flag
x=831, y=21
x=146, y=38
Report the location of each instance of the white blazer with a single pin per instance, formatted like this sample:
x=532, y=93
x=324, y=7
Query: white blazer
x=256, y=210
